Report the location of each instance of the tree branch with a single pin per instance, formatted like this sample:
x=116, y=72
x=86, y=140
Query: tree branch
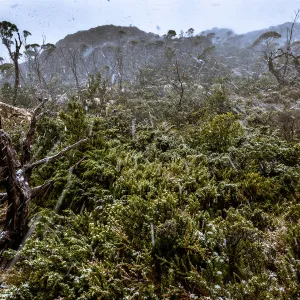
x=54, y=157
x=41, y=189
x=3, y=198
x=25, y=157
x=74, y=167
x=279, y=55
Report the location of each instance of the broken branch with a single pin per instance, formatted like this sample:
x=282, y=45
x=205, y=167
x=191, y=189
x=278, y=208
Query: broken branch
x=54, y=157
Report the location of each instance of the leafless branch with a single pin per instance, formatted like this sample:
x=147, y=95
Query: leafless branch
x=27, y=143
x=54, y=157
x=41, y=189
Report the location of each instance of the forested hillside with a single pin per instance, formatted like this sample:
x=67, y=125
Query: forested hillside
x=139, y=166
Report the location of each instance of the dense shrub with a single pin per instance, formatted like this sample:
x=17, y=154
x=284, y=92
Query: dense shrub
x=208, y=209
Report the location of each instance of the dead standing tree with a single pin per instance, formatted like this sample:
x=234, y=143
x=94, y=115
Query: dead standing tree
x=283, y=62
x=72, y=58
x=15, y=175
x=179, y=84
x=37, y=57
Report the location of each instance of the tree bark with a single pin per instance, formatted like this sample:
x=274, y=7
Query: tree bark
x=18, y=196
x=276, y=73
x=17, y=81
x=15, y=178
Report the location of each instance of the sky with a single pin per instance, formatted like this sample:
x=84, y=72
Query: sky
x=54, y=19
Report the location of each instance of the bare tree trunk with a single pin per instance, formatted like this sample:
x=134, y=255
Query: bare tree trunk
x=17, y=82
x=179, y=87
x=18, y=196
x=72, y=59
x=15, y=178
x=276, y=73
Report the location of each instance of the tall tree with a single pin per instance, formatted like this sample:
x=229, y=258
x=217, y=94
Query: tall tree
x=37, y=56
x=171, y=34
x=13, y=41
x=71, y=58
x=283, y=61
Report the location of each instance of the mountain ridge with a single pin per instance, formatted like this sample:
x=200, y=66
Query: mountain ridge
x=110, y=32
x=104, y=32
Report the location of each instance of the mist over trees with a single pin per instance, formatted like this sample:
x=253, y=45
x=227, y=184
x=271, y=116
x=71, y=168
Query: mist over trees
x=140, y=166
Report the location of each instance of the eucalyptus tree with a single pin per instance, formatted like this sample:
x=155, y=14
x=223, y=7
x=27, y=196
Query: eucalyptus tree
x=171, y=34
x=37, y=57
x=13, y=40
x=283, y=61
x=73, y=59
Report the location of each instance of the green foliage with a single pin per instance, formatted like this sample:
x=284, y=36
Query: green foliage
x=217, y=102
x=49, y=132
x=197, y=203
x=7, y=31
x=166, y=213
x=74, y=119
x=6, y=68
x=6, y=93
x=171, y=34
x=206, y=52
x=222, y=132
x=97, y=87
x=266, y=36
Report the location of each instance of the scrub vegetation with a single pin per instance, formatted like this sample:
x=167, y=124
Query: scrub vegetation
x=163, y=168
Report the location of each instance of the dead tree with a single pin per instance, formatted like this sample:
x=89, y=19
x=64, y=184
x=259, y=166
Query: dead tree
x=72, y=58
x=37, y=57
x=283, y=62
x=178, y=85
x=15, y=175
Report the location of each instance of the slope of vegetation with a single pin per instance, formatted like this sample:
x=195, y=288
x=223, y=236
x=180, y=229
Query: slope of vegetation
x=182, y=191
x=208, y=208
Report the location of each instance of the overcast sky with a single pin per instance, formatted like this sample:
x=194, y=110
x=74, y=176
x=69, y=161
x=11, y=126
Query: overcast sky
x=57, y=18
